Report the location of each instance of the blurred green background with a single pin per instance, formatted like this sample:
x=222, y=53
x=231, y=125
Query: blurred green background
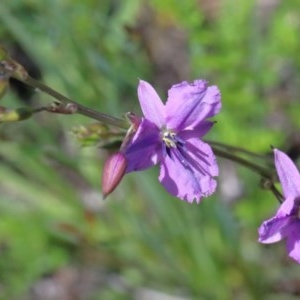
x=58, y=238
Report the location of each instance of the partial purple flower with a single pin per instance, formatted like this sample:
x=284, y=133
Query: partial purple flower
x=169, y=134
x=286, y=222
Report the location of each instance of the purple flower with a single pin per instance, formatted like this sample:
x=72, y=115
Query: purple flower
x=169, y=134
x=286, y=223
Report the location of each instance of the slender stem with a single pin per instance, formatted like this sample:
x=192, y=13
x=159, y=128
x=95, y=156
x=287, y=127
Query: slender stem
x=277, y=194
x=265, y=173
x=236, y=149
x=83, y=110
x=252, y=166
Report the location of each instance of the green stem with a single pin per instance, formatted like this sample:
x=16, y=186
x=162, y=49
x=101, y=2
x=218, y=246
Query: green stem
x=83, y=110
x=234, y=149
x=264, y=172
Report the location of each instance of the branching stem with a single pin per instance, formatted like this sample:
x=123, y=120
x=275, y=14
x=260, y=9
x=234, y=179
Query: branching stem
x=81, y=109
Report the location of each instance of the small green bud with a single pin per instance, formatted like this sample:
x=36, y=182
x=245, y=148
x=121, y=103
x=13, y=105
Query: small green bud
x=14, y=115
x=93, y=134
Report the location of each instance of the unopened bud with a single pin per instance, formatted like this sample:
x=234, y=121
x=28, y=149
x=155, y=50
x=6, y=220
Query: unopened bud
x=14, y=115
x=113, y=172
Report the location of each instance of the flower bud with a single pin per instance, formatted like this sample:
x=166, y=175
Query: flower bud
x=13, y=115
x=113, y=171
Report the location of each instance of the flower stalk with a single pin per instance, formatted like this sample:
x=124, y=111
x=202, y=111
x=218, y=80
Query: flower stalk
x=81, y=109
x=262, y=171
x=11, y=68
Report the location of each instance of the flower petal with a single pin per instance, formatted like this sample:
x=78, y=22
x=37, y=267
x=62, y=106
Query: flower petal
x=198, y=131
x=201, y=157
x=288, y=175
x=151, y=104
x=189, y=104
x=286, y=207
x=272, y=230
x=144, y=151
x=192, y=179
x=293, y=241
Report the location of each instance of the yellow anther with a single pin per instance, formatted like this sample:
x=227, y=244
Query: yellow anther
x=169, y=139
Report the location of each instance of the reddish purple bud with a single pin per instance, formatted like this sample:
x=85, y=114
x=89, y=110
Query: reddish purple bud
x=113, y=171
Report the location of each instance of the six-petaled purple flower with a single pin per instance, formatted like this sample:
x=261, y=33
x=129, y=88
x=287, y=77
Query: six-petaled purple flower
x=169, y=134
x=286, y=222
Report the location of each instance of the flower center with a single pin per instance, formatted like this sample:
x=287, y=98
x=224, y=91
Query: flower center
x=169, y=138
x=173, y=146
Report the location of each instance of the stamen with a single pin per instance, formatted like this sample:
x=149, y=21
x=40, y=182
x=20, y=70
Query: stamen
x=173, y=145
x=170, y=139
